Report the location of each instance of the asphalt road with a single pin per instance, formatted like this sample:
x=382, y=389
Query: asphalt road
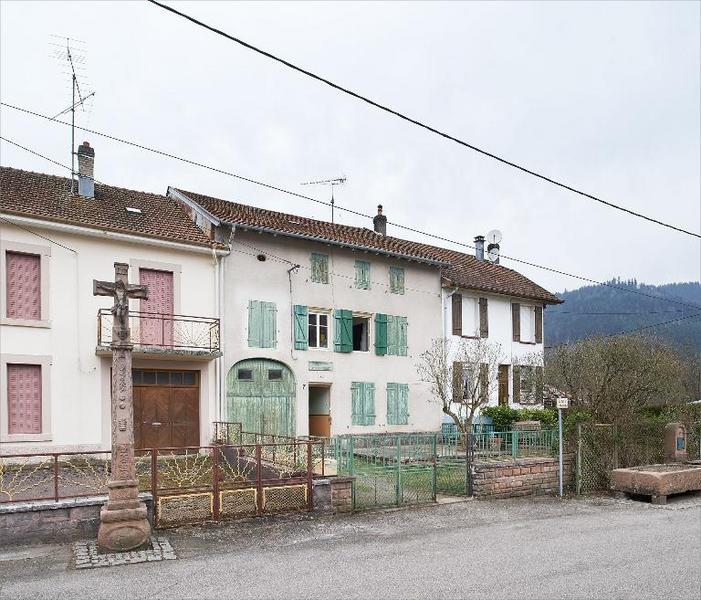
x=547, y=548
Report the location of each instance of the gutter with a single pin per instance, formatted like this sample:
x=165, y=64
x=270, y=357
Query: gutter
x=112, y=235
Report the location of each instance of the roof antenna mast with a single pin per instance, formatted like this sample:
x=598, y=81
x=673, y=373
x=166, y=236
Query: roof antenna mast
x=75, y=61
x=331, y=182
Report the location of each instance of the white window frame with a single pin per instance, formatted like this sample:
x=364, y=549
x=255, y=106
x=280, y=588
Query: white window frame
x=529, y=328
x=368, y=316
x=466, y=300
x=312, y=310
x=26, y=359
x=44, y=253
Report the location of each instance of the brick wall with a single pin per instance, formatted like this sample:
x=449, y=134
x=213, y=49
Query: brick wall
x=520, y=477
x=342, y=494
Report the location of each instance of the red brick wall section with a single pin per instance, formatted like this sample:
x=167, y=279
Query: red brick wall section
x=521, y=477
x=342, y=494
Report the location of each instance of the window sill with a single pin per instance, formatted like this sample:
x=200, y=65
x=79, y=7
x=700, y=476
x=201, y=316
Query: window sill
x=38, y=323
x=470, y=337
x=25, y=437
x=528, y=343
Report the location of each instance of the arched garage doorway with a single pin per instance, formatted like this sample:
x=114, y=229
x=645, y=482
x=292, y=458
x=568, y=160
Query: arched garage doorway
x=260, y=394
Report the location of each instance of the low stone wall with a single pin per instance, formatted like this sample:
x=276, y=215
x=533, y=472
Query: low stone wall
x=520, y=477
x=49, y=521
x=333, y=494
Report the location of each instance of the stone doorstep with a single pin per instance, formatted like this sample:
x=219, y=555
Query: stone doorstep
x=40, y=505
x=87, y=556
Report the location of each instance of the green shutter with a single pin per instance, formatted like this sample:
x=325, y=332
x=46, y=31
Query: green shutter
x=357, y=403
x=396, y=280
x=380, y=334
x=301, y=327
x=362, y=274
x=255, y=324
x=391, y=404
x=401, y=335
x=392, y=335
x=269, y=320
x=320, y=267
x=343, y=330
x=369, y=412
x=402, y=404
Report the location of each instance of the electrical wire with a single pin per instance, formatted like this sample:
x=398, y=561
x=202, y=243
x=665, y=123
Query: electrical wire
x=418, y=123
x=43, y=237
x=340, y=207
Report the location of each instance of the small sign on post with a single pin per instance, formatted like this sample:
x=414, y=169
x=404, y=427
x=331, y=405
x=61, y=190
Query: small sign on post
x=561, y=403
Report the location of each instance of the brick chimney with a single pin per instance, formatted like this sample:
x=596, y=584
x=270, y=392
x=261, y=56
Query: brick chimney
x=86, y=165
x=380, y=221
x=479, y=247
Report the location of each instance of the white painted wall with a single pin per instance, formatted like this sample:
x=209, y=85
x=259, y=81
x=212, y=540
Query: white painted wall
x=500, y=330
x=79, y=380
x=246, y=279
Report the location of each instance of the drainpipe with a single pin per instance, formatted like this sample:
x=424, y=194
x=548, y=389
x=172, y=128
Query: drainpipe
x=221, y=376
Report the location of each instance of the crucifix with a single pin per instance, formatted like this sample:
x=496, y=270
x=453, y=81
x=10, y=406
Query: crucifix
x=123, y=521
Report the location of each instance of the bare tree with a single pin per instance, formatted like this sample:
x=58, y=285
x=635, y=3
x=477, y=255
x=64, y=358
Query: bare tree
x=462, y=375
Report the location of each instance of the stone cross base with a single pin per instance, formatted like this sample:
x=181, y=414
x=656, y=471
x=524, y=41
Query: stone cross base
x=124, y=524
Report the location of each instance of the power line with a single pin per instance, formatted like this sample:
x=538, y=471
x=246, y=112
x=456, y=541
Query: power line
x=642, y=312
x=416, y=122
x=339, y=207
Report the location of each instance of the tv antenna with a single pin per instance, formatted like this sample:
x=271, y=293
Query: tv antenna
x=72, y=53
x=331, y=182
x=493, y=239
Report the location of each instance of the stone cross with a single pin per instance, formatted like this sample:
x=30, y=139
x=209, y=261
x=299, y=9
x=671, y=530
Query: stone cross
x=123, y=521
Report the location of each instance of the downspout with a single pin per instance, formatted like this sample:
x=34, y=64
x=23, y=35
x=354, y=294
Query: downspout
x=221, y=313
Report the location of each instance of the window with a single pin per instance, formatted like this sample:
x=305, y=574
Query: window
x=262, y=324
x=23, y=399
x=362, y=403
x=397, y=404
x=469, y=316
x=163, y=378
x=527, y=324
x=320, y=267
x=390, y=335
x=318, y=330
x=362, y=274
x=361, y=327
x=245, y=375
x=24, y=275
x=396, y=280
x=528, y=384
x=274, y=374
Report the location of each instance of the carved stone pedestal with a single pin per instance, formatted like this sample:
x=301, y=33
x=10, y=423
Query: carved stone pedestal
x=124, y=522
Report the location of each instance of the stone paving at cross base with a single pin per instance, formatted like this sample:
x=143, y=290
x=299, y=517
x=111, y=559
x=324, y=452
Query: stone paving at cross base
x=87, y=555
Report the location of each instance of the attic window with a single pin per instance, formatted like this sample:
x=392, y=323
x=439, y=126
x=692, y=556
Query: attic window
x=294, y=221
x=133, y=211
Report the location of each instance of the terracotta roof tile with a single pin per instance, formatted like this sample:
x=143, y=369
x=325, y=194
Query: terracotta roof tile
x=459, y=268
x=43, y=196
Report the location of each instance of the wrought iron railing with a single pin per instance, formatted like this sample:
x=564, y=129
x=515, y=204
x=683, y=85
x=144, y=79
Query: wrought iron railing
x=156, y=330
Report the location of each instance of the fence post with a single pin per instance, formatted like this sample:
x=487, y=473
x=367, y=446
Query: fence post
x=259, y=482
x=56, y=477
x=469, y=440
x=154, y=485
x=215, y=482
x=435, y=467
x=323, y=458
x=398, y=486
x=309, y=476
x=514, y=443
x=579, y=459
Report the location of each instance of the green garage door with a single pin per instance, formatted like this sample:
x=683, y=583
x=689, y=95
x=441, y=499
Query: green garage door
x=261, y=396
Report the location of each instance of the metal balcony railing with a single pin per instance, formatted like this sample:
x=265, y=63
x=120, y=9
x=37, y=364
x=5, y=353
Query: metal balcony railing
x=155, y=330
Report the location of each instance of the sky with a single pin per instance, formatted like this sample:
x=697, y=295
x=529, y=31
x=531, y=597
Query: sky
x=605, y=97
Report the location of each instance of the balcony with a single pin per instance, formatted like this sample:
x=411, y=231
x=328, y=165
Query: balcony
x=163, y=336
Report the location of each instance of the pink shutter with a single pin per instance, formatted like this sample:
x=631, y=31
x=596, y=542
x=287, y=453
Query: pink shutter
x=23, y=286
x=24, y=398
x=157, y=331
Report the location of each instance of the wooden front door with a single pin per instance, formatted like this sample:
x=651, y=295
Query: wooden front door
x=503, y=385
x=157, y=330
x=319, y=411
x=260, y=395
x=166, y=409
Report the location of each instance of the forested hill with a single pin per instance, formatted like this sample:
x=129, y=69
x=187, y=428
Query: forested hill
x=602, y=310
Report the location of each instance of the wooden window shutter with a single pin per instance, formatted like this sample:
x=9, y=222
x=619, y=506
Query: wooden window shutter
x=343, y=330
x=301, y=327
x=23, y=399
x=457, y=314
x=517, y=384
x=369, y=412
x=391, y=404
x=380, y=334
x=484, y=318
x=539, y=385
x=396, y=280
x=362, y=274
x=538, y=324
x=357, y=403
x=402, y=404
x=484, y=382
x=23, y=281
x=392, y=335
x=320, y=267
x=458, y=382
x=269, y=320
x=402, y=332
x=255, y=324
x=516, y=321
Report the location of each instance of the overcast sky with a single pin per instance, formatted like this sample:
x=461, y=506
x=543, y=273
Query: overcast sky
x=605, y=97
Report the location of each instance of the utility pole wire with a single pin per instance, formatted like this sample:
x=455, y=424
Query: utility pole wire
x=413, y=121
x=339, y=207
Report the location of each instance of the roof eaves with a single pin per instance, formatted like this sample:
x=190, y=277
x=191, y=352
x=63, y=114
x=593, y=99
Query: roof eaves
x=192, y=204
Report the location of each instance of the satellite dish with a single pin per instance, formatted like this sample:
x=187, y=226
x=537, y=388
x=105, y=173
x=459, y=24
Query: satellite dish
x=493, y=254
x=494, y=236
